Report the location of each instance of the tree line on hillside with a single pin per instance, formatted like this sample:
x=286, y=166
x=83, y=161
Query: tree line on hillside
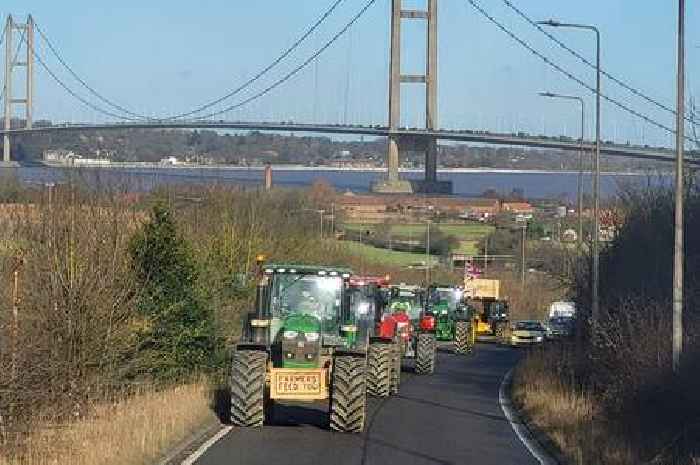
x=257, y=147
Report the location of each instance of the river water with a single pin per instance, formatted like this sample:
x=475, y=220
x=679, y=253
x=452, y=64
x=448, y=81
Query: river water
x=466, y=183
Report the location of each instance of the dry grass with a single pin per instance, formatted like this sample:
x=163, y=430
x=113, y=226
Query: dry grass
x=134, y=431
x=584, y=428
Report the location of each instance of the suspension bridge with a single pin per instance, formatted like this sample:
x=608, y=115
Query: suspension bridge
x=21, y=52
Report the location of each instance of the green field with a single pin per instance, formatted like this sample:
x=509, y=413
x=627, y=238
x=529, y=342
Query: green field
x=461, y=231
x=385, y=256
x=468, y=235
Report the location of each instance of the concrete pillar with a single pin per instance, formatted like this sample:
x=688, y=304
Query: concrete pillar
x=9, y=30
x=394, y=91
x=431, y=152
x=30, y=71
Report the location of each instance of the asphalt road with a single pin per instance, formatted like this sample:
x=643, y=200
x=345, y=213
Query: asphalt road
x=451, y=417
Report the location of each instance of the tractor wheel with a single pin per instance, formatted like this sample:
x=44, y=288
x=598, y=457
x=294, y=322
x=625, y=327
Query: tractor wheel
x=425, y=354
x=462, y=338
x=395, y=369
x=348, y=394
x=499, y=331
x=248, y=388
x=379, y=369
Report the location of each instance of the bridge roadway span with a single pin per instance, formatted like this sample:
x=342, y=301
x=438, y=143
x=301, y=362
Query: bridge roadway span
x=440, y=134
x=451, y=417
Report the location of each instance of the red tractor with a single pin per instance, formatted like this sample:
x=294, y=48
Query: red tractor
x=368, y=299
x=407, y=323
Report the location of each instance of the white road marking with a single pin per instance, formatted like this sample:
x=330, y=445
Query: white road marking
x=520, y=430
x=203, y=448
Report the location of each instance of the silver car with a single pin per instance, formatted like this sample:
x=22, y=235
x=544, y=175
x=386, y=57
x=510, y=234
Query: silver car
x=527, y=333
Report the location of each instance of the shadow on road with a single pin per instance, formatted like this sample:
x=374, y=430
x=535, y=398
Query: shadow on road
x=279, y=414
x=221, y=404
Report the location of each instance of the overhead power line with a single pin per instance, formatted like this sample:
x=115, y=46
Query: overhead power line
x=296, y=70
x=566, y=73
x=576, y=54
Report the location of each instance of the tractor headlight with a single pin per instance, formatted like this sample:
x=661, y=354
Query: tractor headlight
x=312, y=337
x=290, y=334
x=538, y=339
x=444, y=312
x=401, y=324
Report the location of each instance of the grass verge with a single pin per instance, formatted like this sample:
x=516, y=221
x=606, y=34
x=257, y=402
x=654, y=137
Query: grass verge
x=134, y=431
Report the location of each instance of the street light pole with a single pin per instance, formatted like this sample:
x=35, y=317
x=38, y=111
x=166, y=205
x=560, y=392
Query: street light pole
x=579, y=186
x=678, y=227
x=596, y=174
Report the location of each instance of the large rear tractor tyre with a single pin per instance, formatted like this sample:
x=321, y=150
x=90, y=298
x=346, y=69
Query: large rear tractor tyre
x=248, y=388
x=463, y=343
x=395, y=369
x=379, y=364
x=348, y=394
x=425, y=354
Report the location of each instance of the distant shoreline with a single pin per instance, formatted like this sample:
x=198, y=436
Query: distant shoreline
x=301, y=168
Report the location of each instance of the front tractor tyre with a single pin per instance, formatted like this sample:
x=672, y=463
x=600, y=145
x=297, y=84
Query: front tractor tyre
x=348, y=394
x=379, y=369
x=463, y=343
x=425, y=354
x=248, y=388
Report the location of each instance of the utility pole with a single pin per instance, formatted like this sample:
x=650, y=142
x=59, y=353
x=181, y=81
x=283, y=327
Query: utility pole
x=427, y=253
x=678, y=226
x=486, y=255
x=522, y=257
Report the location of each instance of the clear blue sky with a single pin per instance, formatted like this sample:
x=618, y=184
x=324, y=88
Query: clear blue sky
x=160, y=57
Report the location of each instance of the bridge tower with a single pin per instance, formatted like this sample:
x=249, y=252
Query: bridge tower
x=393, y=183
x=12, y=61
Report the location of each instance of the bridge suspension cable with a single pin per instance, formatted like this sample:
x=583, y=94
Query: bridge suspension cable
x=568, y=74
x=267, y=68
x=587, y=62
x=134, y=116
x=74, y=94
x=82, y=82
x=296, y=70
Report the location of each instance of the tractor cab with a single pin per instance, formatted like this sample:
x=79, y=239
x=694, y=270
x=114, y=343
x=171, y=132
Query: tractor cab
x=452, y=316
x=302, y=311
x=366, y=300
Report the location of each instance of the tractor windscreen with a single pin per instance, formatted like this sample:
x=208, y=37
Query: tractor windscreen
x=408, y=302
x=453, y=297
x=363, y=307
x=309, y=295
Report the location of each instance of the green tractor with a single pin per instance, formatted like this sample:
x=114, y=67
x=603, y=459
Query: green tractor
x=453, y=317
x=300, y=344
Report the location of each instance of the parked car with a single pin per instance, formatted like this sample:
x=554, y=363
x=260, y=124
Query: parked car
x=527, y=332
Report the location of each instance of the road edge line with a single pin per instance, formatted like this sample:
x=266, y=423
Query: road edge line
x=194, y=456
x=521, y=431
